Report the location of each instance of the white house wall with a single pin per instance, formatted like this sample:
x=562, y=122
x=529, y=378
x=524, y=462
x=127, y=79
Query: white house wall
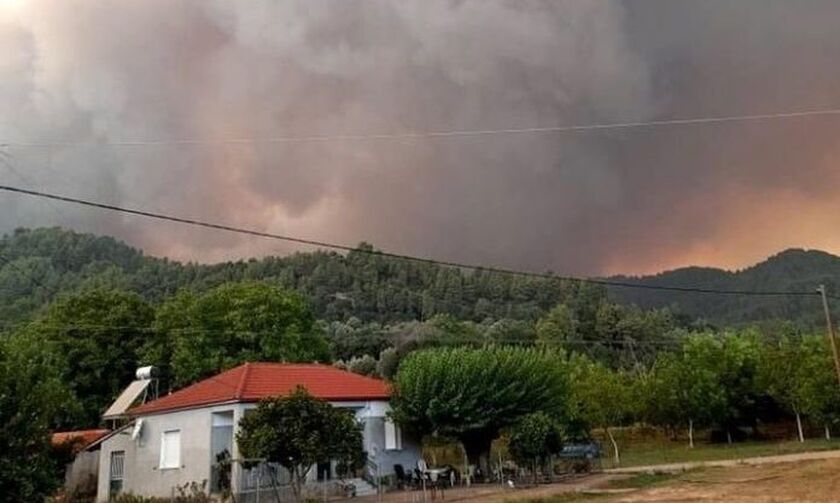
x=143, y=476
x=372, y=415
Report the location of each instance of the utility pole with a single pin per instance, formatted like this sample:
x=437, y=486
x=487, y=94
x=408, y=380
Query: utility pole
x=831, y=337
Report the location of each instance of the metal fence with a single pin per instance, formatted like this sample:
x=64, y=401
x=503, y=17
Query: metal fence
x=263, y=482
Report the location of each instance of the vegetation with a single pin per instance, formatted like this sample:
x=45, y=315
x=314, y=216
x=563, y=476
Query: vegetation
x=471, y=394
x=372, y=288
x=534, y=438
x=472, y=354
x=200, y=335
x=299, y=431
x=654, y=451
x=604, y=399
x=32, y=396
x=188, y=493
x=97, y=334
x=793, y=269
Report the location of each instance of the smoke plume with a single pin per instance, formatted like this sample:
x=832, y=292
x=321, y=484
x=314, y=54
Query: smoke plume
x=79, y=74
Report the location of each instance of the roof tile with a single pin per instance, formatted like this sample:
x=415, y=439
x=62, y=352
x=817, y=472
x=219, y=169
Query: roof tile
x=252, y=382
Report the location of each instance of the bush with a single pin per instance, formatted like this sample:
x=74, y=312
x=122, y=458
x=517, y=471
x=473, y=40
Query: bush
x=188, y=493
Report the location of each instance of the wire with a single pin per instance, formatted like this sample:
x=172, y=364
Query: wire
x=455, y=340
x=432, y=134
x=423, y=260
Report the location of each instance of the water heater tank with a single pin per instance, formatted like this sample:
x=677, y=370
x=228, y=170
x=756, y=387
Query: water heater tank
x=147, y=372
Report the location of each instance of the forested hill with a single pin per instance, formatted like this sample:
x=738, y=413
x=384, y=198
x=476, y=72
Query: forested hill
x=793, y=269
x=36, y=265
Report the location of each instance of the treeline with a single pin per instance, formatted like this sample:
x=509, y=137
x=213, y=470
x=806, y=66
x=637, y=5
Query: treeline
x=40, y=264
x=101, y=335
x=730, y=383
x=618, y=364
x=791, y=270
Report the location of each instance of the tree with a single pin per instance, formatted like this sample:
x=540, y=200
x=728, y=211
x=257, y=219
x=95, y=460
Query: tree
x=534, y=438
x=782, y=374
x=235, y=323
x=821, y=401
x=738, y=369
x=603, y=397
x=98, y=333
x=389, y=362
x=33, y=398
x=558, y=326
x=684, y=389
x=363, y=365
x=298, y=431
x=353, y=338
x=470, y=394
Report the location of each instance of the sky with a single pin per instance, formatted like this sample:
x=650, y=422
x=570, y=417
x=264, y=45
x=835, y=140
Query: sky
x=77, y=76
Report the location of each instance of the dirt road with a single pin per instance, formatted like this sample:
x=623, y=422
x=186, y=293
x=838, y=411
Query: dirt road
x=762, y=460
x=803, y=477
x=804, y=481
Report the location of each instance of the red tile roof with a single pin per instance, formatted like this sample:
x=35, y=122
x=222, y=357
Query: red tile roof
x=252, y=382
x=82, y=438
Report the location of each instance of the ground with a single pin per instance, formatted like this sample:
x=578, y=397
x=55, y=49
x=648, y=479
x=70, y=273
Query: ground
x=809, y=480
x=789, y=482
x=779, y=479
x=659, y=451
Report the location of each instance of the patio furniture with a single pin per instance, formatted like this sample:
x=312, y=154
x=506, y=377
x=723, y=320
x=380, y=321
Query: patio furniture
x=403, y=479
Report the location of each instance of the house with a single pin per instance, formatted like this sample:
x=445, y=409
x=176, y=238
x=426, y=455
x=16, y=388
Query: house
x=82, y=468
x=177, y=439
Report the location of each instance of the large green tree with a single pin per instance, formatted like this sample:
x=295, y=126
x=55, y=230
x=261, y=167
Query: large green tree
x=231, y=324
x=470, y=394
x=739, y=367
x=33, y=399
x=819, y=384
x=98, y=333
x=299, y=431
x=604, y=398
x=783, y=374
x=684, y=388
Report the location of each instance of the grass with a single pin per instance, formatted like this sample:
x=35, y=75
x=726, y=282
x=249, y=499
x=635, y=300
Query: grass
x=641, y=481
x=661, y=451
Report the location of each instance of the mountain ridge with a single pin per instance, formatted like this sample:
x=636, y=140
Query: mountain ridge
x=40, y=263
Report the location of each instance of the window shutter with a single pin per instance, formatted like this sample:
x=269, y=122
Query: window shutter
x=170, y=449
x=393, y=436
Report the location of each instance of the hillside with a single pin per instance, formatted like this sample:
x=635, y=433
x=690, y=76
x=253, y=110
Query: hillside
x=39, y=264
x=793, y=269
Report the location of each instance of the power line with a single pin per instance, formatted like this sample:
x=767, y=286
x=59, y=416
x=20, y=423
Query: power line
x=422, y=260
x=455, y=340
x=416, y=135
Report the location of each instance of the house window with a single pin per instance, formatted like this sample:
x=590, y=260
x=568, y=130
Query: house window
x=393, y=436
x=117, y=472
x=170, y=449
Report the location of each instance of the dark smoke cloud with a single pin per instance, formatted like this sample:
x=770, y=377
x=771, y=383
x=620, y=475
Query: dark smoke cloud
x=629, y=200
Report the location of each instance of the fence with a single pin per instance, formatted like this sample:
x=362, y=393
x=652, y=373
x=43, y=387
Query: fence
x=263, y=482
